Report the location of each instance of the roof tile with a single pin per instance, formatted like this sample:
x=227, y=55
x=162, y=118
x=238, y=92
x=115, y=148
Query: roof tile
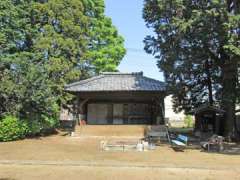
x=112, y=81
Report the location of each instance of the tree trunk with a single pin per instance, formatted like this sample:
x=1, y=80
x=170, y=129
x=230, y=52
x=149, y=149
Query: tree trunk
x=229, y=71
x=209, y=82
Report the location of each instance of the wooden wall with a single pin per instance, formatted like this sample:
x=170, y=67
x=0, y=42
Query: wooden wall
x=119, y=113
x=120, y=107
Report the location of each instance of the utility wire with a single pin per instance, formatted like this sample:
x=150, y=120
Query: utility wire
x=135, y=50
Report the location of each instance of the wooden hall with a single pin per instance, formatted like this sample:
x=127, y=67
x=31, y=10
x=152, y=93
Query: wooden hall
x=118, y=98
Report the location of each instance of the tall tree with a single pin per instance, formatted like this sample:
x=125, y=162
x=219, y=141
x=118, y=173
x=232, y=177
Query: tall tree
x=197, y=47
x=230, y=67
x=46, y=44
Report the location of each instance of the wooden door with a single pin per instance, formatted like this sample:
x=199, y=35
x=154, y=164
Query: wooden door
x=97, y=114
x=117, y=113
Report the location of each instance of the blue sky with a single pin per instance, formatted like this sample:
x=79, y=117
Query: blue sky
x=127, y=17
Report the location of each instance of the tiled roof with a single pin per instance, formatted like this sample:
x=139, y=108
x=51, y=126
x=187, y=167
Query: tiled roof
x=114, y=81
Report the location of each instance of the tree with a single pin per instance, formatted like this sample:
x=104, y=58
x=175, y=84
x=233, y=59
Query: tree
x=46, y=44
x=197, y=47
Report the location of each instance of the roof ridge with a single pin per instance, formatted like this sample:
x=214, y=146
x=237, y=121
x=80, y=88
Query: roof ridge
x=120, y=73
x=81, y=82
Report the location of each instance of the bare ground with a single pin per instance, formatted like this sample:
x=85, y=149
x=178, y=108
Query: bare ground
x=59, y=157
x=16, y=172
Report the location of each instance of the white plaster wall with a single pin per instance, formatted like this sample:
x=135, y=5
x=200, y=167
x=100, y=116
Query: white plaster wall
x=169, y=113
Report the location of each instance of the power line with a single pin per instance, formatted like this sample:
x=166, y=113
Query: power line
x=135, y=49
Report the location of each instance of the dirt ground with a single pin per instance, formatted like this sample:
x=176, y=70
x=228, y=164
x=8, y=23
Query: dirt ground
x=10, y=172
x=60, y=157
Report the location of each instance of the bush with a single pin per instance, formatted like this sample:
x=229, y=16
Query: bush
x=188, y=121
x=35, y=128
x=49, y=124
x=12, y=128
x=42, y=126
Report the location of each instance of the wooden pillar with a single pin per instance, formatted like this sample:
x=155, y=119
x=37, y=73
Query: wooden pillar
x=77, y=110
x=197, y=123
x=82, y=114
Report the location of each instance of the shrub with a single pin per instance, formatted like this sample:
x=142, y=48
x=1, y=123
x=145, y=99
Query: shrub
x=42, y=126
x=49, y=124
x=35, y=128
x=188, y=121
x=12, y=128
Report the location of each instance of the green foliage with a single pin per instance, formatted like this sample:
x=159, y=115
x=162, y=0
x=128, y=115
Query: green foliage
x=45, y=45
x=197, y=47
x=35, y=128
x=189, y=34
x=49, y=123
x=42, y=126
x=12, y=129
x=188, y=121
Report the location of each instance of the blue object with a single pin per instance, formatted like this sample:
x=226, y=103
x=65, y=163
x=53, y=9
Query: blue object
x=182, y=138
x=179, y=143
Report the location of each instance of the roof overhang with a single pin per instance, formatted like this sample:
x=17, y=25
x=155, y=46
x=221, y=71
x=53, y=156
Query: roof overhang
x=117, y=82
